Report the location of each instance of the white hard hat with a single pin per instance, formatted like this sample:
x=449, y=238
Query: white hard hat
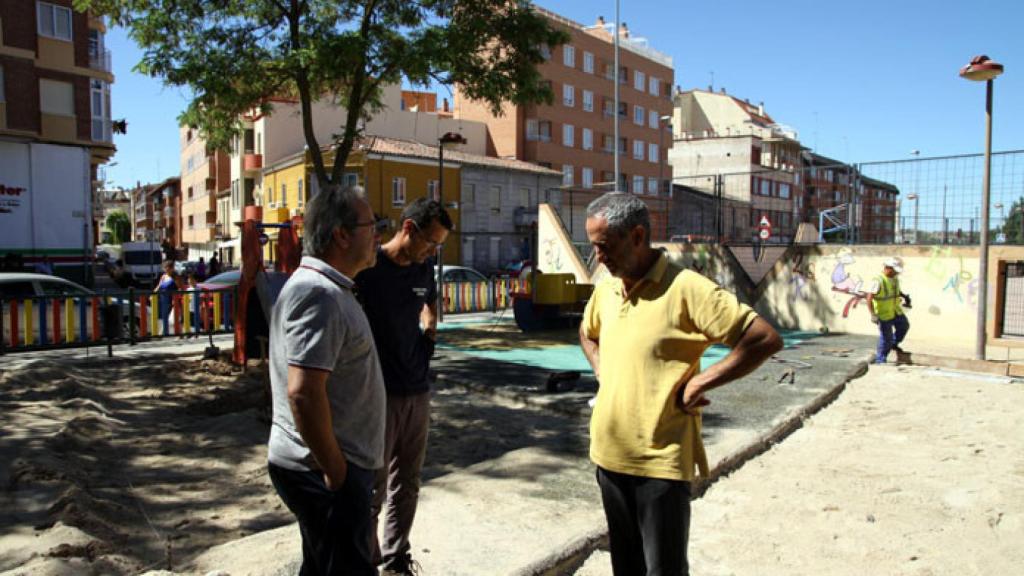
x=894, y=263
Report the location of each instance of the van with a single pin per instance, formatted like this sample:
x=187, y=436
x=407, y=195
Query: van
x=142, y=260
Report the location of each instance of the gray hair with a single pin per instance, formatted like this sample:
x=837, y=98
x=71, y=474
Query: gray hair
x=333, y=207
x=622, y=211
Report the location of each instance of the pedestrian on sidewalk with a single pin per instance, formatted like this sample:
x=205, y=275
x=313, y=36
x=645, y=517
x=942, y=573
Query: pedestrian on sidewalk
x=885, y=303
x=644, y=331
x=327, y=428
x=399, y=295
x=214, y=266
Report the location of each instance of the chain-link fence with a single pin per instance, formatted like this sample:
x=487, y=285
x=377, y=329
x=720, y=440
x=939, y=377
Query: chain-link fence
x=913, y=201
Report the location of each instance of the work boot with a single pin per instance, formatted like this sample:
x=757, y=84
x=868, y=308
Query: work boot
x=898, y=350
x=403, y=565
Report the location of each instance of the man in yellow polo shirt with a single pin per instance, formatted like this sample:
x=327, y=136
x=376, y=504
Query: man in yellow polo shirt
x=644, y=331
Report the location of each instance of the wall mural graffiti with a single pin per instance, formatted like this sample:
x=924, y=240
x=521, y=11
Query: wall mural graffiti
x=552, y=256
x=964, y=278
x=846, y=283
x=800, y=273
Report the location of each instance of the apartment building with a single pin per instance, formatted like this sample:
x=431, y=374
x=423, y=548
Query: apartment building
x=575, y=135
x=733, y=150
x=492, y=201
x=55, y=78
x=205, y=176
x=843, y=192
x=877, y=223
x=157, y=210
x=268, y=139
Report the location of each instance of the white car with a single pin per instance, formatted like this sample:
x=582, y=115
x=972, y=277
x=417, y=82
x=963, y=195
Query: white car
x=18, y=286
x=460, y=274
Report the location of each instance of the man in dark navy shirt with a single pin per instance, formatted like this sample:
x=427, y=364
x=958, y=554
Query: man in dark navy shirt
x=399, y=296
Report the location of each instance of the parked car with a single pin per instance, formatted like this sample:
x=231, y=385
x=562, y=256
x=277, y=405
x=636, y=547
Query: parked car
x=460, y=274
x=17, y=286
x=268, y=289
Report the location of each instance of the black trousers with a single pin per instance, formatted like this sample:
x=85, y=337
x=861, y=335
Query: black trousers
x=335, y=526
x=648, y=524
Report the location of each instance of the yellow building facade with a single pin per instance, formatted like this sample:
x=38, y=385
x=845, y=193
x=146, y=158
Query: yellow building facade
x=391, y=181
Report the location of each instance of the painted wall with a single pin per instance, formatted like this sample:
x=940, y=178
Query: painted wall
x=825, y=286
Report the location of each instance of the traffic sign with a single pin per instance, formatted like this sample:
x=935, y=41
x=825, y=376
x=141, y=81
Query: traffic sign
x=765, y=233
x=765, y=223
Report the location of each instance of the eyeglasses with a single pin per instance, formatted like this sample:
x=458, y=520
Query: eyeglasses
x=426, y=238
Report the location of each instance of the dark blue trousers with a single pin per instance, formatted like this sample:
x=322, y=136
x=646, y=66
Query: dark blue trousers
x=891, y=333
x=335, y=526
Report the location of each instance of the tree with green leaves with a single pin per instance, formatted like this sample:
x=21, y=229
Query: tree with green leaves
x=235, y=55
x=1013, y=227
x=119, y=225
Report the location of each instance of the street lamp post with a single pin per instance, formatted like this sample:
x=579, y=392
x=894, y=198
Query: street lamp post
x=447, y=138
x=982, y=68
x=916, y=198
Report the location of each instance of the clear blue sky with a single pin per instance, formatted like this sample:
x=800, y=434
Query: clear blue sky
x=859, y=81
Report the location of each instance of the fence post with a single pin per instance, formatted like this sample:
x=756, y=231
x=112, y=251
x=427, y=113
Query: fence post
x=494, y=295
x=131, y=316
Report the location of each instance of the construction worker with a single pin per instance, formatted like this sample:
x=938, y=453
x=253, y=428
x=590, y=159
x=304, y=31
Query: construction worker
x=885, y=305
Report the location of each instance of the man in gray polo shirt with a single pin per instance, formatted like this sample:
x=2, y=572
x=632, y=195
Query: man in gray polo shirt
x=327, y=432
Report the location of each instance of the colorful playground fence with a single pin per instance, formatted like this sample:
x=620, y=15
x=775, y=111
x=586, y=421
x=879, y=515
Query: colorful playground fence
x=58, y=321
x=490, y=296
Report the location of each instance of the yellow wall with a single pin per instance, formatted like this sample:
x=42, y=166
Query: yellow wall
x=289, y=176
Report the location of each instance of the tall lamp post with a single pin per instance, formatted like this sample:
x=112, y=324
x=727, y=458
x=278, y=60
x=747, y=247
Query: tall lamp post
x=983, y=68
x=916, y=198
x=447, y=138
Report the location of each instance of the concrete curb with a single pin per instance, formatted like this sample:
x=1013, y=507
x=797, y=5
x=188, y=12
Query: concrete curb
x=565, y=561
x=968, y=364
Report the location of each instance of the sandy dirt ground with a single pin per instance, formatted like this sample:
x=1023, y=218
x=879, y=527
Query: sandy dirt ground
x=912, y=471
x=119, y=468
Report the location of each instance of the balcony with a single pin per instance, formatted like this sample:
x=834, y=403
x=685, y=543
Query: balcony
x=524, y=217
x=252, y=162
x=100, y=60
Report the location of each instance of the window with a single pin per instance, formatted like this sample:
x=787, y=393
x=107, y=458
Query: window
x=54, y=21
x=56, y=97
x=350, y=179
x=2, y=84
x=623, y=75
x=524, y=197
x=432, y=188
x=638, y=184
x=638, y=149
x=190, y=192
x=623, y=109
x=652, y=153
x=588, y=101
x=588, y=62
x=495, y=197
x=191, y=221
x=654, y=86
x=189, y=166
x=587, y=176
x=567, y=175
x=608, y=143
x=766, y=188
x=284, y=194
x=469, y=194
x=398, y=191
x=568, y=131
x=538, y=130
x=652, y=186
x=302, y=194
x=545, y=51
x=652, y=118
x=783, y=190
x=569, y=55
x=17, y=290
x=639, y=115
x=568, y=95
x=623, y=145
x=234, y=192
x=100, y=105
x=639, y=80
x=588, y=139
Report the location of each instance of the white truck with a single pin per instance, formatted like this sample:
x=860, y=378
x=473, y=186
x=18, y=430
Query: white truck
x=143, y=261
x=46, y=208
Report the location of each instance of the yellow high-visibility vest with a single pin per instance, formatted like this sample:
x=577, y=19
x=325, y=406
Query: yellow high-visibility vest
x=886, y=303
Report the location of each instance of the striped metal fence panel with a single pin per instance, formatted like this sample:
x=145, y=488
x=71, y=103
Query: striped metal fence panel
x=493, y=295
x=47, y=322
